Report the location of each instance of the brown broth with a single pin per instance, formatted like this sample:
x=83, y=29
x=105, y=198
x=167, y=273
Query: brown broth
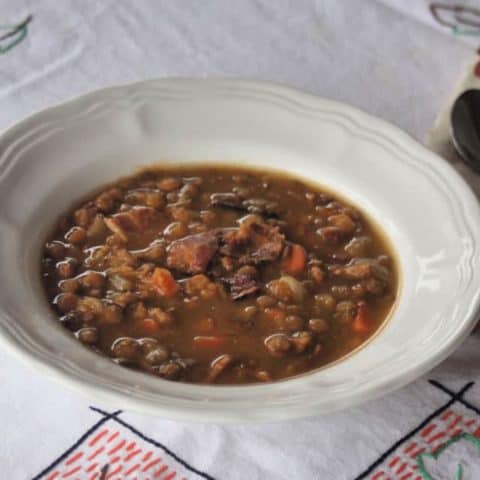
x=92, y=306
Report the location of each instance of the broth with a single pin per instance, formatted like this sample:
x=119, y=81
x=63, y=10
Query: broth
x=219, y=274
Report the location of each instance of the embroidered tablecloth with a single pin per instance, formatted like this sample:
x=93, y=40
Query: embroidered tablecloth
x=393, y=59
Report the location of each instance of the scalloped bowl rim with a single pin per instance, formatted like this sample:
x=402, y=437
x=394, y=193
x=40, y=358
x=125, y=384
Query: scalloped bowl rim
x=211, y=410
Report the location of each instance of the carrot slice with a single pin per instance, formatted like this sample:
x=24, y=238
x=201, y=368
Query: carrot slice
x=296, y=259
x=209, y=341
x=360, y=322
x=164, y=281
x=274, y=314
x=149, y=326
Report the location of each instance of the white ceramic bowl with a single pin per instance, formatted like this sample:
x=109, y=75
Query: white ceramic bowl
x=432, y=218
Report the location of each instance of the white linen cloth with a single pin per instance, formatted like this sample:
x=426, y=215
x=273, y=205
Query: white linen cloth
x=387, y=57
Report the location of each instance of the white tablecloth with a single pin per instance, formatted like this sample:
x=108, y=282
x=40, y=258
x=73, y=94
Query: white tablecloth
x=389, y=58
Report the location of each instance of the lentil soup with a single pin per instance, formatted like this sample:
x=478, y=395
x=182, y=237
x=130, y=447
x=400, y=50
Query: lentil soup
x=219, y=274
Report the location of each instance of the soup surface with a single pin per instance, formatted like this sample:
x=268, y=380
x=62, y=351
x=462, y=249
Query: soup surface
x=218, y=275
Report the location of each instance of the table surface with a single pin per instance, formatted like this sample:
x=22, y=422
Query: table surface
x=389, y=58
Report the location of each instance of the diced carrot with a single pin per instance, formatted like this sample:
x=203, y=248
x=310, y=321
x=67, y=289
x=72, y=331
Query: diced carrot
x=209, y=341
x=149, y=326
x=274, y=314
x=164, y=281
x=296, y=259
x=360, y=322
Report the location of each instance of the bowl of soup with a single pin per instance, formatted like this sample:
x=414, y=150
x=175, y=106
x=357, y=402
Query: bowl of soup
x=230, y=251
x=223, y=275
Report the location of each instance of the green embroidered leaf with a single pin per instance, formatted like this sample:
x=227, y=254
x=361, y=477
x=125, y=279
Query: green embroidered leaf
x=458, y=457
x=459, y=475
x=12, y=35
